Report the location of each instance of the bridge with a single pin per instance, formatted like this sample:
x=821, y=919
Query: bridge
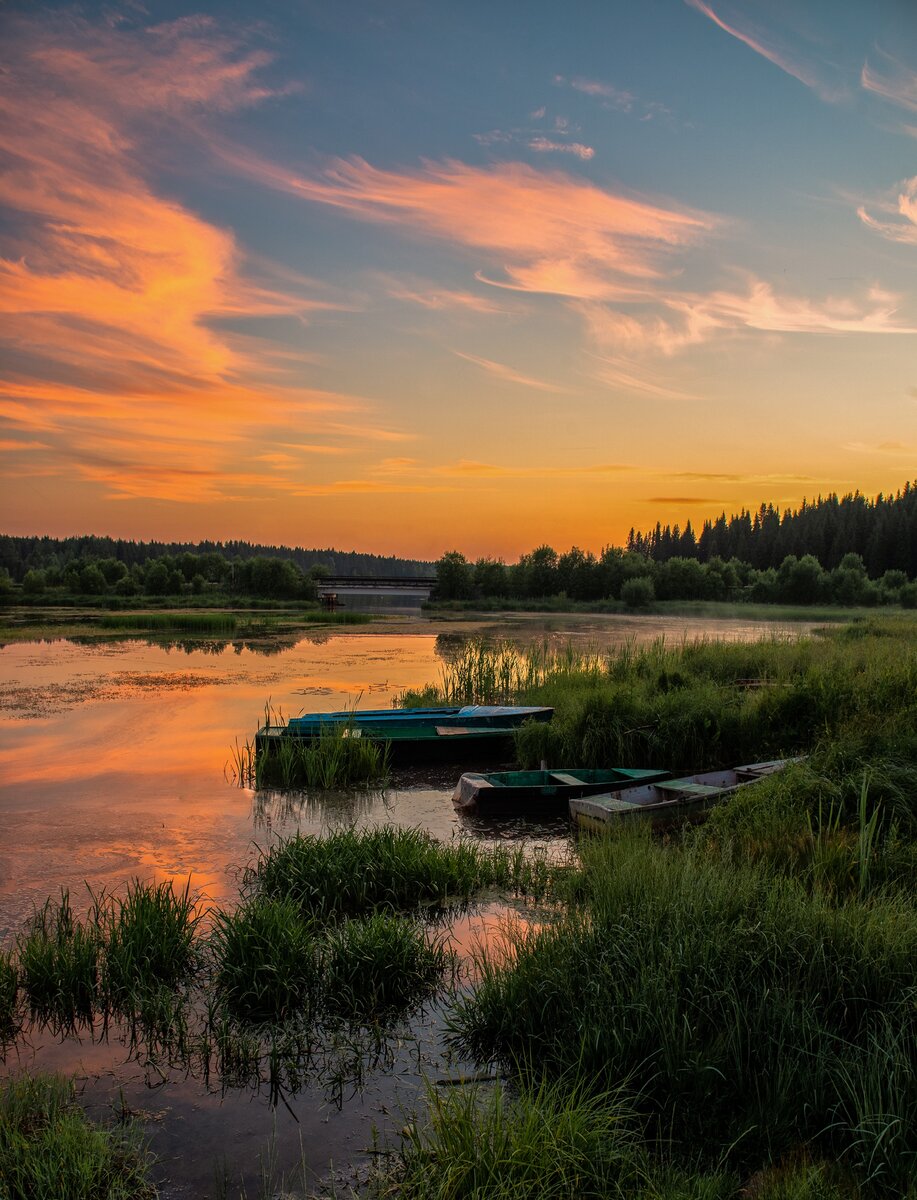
x=377, y=585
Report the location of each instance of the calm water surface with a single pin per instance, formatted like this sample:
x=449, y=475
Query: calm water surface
x=114, y=763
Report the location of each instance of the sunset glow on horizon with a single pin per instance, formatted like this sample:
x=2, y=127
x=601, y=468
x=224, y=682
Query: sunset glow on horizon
x=402, y=277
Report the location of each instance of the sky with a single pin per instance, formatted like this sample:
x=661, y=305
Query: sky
x=407, y=276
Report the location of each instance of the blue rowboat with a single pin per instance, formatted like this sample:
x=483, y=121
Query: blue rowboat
x=670, y=799
x=502, y=791
x=468, y=716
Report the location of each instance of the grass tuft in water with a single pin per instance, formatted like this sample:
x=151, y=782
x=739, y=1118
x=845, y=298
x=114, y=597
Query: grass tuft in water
x=58, y=963
x=149, y=940
x=267, y=960
x=354, y=872
x=50, y=1149
x=380, y=965
x=9, y=991
x=173, y=622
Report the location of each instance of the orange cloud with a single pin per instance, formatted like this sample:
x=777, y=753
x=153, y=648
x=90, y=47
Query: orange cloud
x=111, y=292
x=546, y=146
x=524, y=216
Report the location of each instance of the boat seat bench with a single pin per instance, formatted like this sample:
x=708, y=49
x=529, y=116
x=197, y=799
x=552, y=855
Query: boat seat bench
x=562, y=777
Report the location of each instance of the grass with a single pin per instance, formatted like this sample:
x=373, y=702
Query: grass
x=173, y=622
x=149, y=939
x=57, y=964
x=355, y=872
x=49, y=1148
x=9, y=995
x=746, y=1014
x=694, y=705
x=330, y=617
x=380, y=965
x=267, y=960
x=333, y=760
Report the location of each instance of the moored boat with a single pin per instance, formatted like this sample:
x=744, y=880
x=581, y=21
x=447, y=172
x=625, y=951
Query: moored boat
x=670, y=799
x=467, y=716
x=503, y=790
x=414, y=734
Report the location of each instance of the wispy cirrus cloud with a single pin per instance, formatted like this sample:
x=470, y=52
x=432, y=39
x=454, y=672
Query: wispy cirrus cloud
x=691, y=319
x=822, y=79
x=544, y=145
x=114, y=295
x=898, y=222
x=509, y=374
x=548, y=230
x=893, y=80
x=615, y=98
x=429, y=295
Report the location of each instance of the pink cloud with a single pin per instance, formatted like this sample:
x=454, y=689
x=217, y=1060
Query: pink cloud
x=897, y=83
x=508, y=374
x=545, y=145
x=528, y=219
x=764, y=45
x=904, y=206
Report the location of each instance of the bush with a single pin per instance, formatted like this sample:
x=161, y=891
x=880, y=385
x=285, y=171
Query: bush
x=638, y=592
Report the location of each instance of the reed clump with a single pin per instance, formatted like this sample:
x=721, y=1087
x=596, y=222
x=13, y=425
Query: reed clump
x=48, y=1147
x=57, y=962
x=355, y=872
x=380, y=965
x=267, y=960
x=148, y=937
x=336, y=759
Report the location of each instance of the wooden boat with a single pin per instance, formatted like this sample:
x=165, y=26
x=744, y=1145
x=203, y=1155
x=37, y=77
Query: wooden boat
x=670, y=799
x=468, y=716
x=415, y=734
x=543, y=790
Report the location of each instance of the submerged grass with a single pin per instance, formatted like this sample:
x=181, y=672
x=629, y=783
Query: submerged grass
x=354, y=872
x=50, y=1149
x=173, y=622
x=380, y=965
x=267, y=960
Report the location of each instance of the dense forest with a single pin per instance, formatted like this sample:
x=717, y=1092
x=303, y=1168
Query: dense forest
x=849, y=551
x=19, y=555
x=882, y=531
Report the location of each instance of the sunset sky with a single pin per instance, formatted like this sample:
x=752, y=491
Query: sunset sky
x=408, y=276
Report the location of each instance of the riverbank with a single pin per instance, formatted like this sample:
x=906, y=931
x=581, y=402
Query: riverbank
x=709, y=609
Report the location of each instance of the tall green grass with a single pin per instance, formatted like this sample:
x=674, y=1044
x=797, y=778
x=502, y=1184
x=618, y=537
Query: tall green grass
x=58, y=961
x=693, y=705
x=380, y=965
x=267, y=958
x=746, y=1014
x=354, y=872
x=148, y=936
x=9, y=995
x=333, y=760
x=173, y=622
x=49, y=1149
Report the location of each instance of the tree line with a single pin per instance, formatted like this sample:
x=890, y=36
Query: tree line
x=882, y=531
x=19, y=555
x=638, y=580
